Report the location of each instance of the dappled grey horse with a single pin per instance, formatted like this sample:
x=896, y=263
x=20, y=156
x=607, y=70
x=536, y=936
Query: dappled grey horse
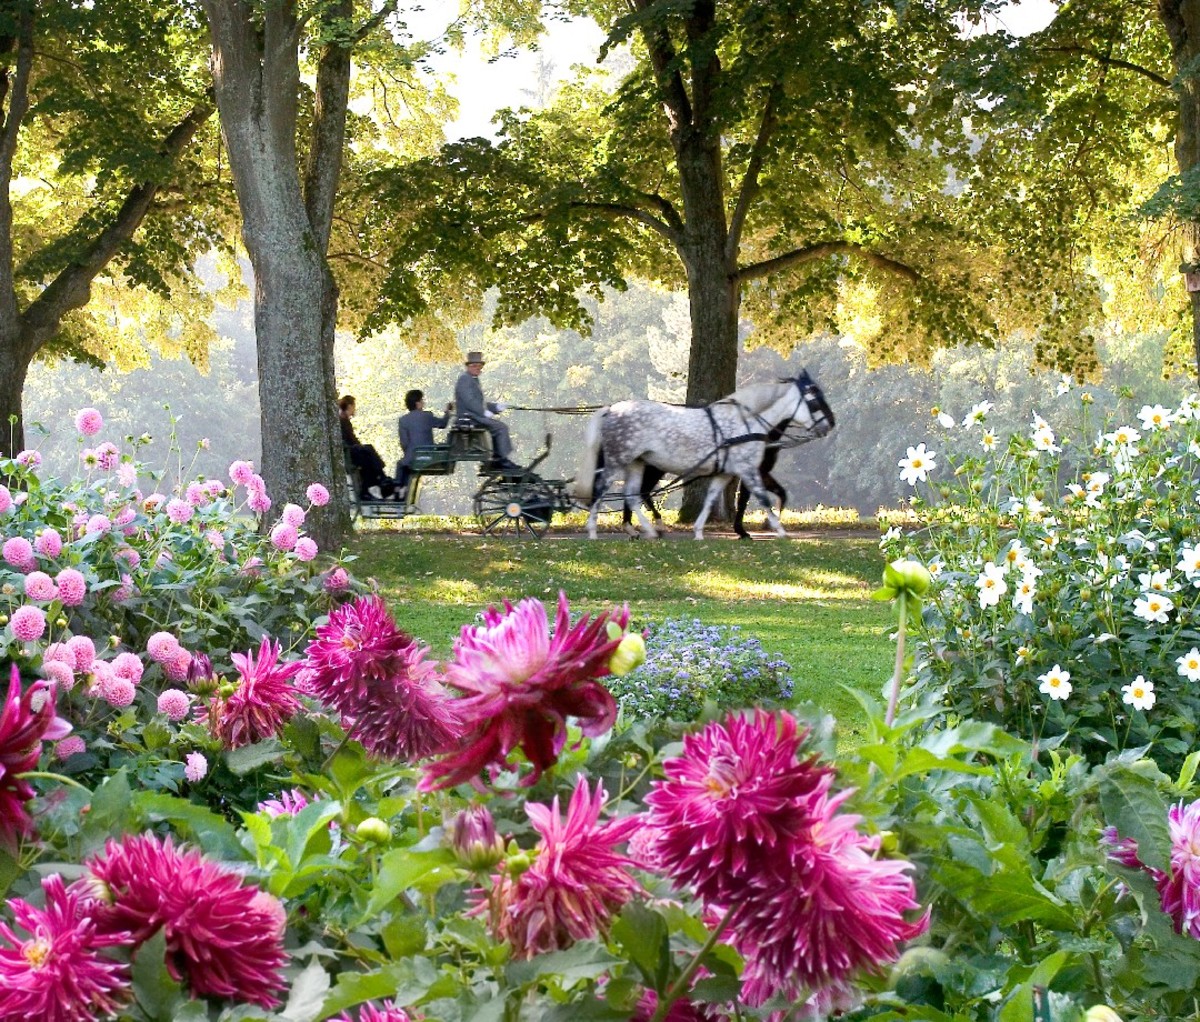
x=721, y=441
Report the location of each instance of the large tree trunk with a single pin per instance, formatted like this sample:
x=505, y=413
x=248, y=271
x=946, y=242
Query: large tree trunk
x=257, y=79
x=1181, y=18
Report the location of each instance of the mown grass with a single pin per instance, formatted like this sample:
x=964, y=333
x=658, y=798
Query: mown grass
x=805, y=598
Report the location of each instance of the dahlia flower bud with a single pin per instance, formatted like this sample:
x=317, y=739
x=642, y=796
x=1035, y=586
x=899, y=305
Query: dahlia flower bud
x=374, y=830
x=1101, y=1013
x=200, y=670
x=473, y=839
x=906, y=576
x=630, y=654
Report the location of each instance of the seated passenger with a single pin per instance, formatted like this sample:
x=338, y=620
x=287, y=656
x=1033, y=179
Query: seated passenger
x=374, y=483
x=416, y=430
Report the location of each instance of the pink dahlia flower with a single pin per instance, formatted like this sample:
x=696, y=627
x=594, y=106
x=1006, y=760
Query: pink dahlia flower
x=128, y=665
x=118, y=692
x=162, y=647
x=178, y=667
x=28, y=623
x=306, y=548
x=88, y=421
x=241, y=472
x=521, y=685
x=195, y=767
x=72, y=587
x=49, y=543
x=293, y=515
x=223, y=938
x=98, y=524
x=70, y=746
x=61, y=674
x=386, y=1012
x=359, y=645
x=6, y=500
x=108, y=455
x=261, y=704
x=18, y=552
x=284, y=536
x=258, y=501
x=30, y=458
x=179, y=511
x=40, y=586
x=25, y=722
x=83, y=652
x=174, y=704
x=733, y=806
x=840, y=911
x=577, y=880
x=196, y=494
x=317, y=495
x=1178, y=889
x=58, y=971
x=289, y=803
x=337, y=580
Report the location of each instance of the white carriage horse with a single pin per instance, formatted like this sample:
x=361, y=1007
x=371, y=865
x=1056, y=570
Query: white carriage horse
x=723, y=440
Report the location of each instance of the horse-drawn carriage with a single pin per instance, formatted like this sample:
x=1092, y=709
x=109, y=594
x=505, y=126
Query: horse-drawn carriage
x=516, y=498
x=725, y=440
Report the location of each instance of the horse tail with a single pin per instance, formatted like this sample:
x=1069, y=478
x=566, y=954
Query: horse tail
x=584, y=484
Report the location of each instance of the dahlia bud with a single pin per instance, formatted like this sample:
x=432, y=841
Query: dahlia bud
x=200, y=670
x=631, y=653
x=473, y=839
x=1101, y=1013
x=60, y=622
x=518, y=863
x=904, y=578
x=374, y=830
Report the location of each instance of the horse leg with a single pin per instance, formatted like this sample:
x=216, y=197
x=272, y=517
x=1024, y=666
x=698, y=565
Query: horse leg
x=601, y=488
x=651, y=477
x=739, y=513
x=715, y=486
x=756, y=488
x=633, y=493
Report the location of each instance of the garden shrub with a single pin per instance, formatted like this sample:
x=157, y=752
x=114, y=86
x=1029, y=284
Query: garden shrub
x=1065, y=599
x=689, y=663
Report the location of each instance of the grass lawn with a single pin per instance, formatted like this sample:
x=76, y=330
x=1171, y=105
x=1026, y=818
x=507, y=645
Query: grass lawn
x=805, y=598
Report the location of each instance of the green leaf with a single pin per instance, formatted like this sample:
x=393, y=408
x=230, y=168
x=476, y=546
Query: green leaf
x=156, y=992
x=212, y=832
x=1131, y=802
x=642, y=934
x=399, y=870
x=307, y=996
x=586, y=960
x=248, y=757
x=1187, y=772
x=312, y=820
x=1019, y=1007
x=396, y=981
x=405, y=935
x=110, y=806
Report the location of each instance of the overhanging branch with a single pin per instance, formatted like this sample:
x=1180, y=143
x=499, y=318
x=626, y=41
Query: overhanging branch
x=822, y=250
x=750, y=181
x=1108, y=61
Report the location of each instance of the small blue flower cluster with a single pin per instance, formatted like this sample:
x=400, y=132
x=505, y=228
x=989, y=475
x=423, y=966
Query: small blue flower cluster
x=689, y=663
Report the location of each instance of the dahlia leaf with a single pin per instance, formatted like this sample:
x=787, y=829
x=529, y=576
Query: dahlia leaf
x=311, y=821
x=396, y=981
x=211, y=831
x=586, y=960
x=307, y=994
x=643, y=935
x=405, y=935
x=401, y=869
x=246, y=758
x=156, y=992
x=110, y=805
x=1132, y=803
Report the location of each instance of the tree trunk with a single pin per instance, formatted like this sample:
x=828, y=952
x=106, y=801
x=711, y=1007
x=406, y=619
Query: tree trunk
x=1181, y=18
x=257, y=79
x=14, y=367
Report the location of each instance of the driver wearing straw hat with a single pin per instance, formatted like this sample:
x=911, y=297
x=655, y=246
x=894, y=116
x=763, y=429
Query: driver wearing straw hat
x=469, y=404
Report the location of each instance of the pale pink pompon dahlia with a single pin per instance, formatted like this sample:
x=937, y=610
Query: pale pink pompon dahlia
x=386, y=1012
x=223, y=938
x=57, y=971
x=26, y=720
x=577, y=880
x=521, y=683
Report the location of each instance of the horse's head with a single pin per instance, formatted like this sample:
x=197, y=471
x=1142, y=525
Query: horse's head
x=812, y=406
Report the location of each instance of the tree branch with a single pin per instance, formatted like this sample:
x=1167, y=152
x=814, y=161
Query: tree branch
x=822, y=250
x=1108, y=61
x=750, y=183
x=16, y=91
x=323, y=164
x=71, y=288
x=618, y=211
x=670, y=82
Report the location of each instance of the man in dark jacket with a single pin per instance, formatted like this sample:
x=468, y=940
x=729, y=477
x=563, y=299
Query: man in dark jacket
x=469, y=404
x=416, y=430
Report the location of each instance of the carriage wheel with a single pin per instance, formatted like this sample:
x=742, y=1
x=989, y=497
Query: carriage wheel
x=518, y=507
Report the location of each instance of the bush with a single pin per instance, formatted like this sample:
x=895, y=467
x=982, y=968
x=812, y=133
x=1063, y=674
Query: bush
x=689, y=663
x=1065, y=604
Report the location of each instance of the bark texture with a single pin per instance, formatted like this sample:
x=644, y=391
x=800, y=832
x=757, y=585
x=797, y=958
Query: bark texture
x=1181, y=19
x=285, y=226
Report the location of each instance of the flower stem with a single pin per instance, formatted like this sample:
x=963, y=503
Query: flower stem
x=680, y=986
x=48, y=776
x=898, y=673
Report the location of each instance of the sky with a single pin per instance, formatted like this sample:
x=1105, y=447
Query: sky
x=483, y=87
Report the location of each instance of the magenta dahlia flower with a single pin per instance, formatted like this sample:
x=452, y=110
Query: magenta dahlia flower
x=25, y=722
x=57, y=971
x=840, y=911
x=577, y=880
x=1178, y=889
x=289, y=803
x=734, y=806
x=261, y=704
x=521, y=685
x=386, y=1012
x=223, y=938
x=360, y=644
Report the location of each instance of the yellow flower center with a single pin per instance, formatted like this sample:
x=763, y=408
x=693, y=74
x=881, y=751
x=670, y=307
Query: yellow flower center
x=36, y=952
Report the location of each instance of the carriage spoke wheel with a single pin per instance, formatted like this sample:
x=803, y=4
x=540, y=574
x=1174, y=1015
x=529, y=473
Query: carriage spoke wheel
x=518, y=508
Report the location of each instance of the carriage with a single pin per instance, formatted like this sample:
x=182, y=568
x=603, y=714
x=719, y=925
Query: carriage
x=724, y=440
x=518, y=500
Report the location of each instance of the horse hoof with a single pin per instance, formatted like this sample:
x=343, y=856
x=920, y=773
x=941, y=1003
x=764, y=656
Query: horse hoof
x=743, y=535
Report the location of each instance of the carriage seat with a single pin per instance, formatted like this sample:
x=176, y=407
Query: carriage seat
x=468, y=441
x=433, y=460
